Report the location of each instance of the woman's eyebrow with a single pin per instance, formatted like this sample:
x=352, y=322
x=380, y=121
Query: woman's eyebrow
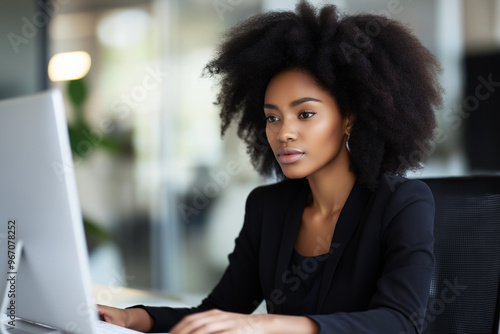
x=293, y=103
x=270, y=106
x=302, y=100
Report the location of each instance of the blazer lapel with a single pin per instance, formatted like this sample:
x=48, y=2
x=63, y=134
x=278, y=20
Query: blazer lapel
x=289, y=235
x=347, y=223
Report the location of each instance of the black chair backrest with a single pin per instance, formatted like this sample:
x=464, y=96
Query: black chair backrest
x=464, y=295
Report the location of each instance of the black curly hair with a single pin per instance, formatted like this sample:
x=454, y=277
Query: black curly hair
x=373, y=66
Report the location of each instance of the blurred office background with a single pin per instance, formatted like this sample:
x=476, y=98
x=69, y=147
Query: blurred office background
x=152, y=170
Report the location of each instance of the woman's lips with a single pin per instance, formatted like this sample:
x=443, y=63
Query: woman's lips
x=288, y=155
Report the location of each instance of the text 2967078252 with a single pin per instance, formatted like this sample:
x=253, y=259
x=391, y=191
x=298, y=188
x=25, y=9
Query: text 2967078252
x=11, y=271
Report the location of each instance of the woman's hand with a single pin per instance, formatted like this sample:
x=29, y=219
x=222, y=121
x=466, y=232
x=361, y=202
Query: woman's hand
x=112, y=315
x=133, y=318
x=216, y=321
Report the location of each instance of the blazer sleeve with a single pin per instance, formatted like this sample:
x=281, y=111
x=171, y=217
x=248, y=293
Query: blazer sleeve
x=402, y=291
x=239, y=288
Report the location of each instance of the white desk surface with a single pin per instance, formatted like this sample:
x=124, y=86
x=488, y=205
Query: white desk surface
x=124, y=297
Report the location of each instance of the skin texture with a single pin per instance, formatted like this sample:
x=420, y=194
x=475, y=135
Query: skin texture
x=314, y=127
x=317, y=129
x=136, y=318
x=302, y=116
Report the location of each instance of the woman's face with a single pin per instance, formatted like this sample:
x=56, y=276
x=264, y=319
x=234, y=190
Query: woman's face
x=304, y=127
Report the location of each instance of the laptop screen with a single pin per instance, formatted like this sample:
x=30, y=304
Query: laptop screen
x=50, y=282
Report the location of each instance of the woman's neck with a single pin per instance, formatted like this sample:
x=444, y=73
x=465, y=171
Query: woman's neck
x=329, y=191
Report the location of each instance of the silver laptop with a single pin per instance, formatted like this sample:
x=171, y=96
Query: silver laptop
x=47, y=281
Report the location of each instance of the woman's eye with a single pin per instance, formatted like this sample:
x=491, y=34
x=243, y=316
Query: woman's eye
x=271, y=119
x=306, y=114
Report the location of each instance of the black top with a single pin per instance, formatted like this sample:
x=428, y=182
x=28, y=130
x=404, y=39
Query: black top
x=376, y=280
x=302, y=294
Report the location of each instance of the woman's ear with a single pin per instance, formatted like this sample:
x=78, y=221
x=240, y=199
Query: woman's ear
x=349, y=122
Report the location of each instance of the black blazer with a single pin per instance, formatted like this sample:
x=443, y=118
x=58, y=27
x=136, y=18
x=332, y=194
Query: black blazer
x=376, y=280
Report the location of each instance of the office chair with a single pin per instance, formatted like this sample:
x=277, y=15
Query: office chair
x=464, y=295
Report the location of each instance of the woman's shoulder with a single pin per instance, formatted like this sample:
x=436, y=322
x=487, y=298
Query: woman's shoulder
x=393, y=183
x=395, y=193
x=400, y=186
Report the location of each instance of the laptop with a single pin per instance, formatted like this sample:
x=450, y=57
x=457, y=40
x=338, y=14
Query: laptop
x=44, y=272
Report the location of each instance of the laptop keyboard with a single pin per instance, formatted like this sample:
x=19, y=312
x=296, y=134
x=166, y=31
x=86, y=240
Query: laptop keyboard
x=102, y=327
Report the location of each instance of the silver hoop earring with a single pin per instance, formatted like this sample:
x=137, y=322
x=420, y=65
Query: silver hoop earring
x=347, y=143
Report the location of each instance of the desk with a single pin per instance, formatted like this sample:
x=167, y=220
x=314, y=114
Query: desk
x=122, y=297
x=118, y=297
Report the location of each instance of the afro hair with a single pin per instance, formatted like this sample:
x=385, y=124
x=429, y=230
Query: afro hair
x=374, y=67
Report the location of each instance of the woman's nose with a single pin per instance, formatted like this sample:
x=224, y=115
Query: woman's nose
x=287, y=132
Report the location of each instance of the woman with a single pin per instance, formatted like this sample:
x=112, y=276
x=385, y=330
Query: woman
x=340, y=108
